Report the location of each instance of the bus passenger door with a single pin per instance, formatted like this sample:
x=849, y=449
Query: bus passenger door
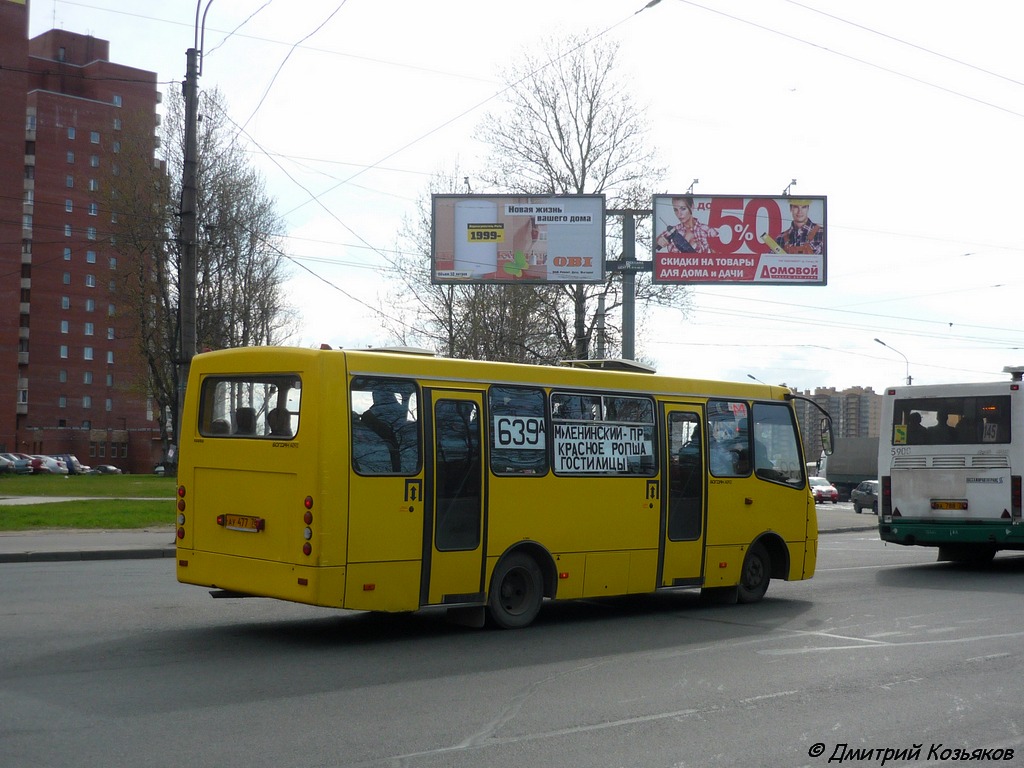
x=453, y=552
x=684, y=498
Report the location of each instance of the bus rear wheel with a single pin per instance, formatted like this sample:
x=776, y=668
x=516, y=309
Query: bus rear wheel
x=517, y=589
x=757, y=572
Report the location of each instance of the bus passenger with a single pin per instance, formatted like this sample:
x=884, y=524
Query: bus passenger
x=916, y=434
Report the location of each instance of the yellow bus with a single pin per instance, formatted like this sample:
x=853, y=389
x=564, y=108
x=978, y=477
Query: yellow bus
x=393, y=480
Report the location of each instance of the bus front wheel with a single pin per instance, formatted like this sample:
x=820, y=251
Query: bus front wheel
x=757, y=572
x=517, y=589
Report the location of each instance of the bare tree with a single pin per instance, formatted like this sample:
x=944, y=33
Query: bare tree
x=239, y=283
x=571, y=126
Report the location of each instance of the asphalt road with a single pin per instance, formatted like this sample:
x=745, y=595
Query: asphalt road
x=113, y=663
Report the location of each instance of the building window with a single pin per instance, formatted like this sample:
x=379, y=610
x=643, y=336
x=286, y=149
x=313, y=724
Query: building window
x=69, y=205
x=116, y=147
x=67, y=230
x=110, y=358
x=63, y=376
x=90, y=305
x=117, y=100
x=26, y=221
x=67, y=254
x=87, y=377
x=71, y=157
x=62, y=402
x=90, y=257
x=117, y=123
x=67, y=278
x=30, y=171
x=87, y=401
x=110, y=310
x=69, y=182
x=94, y=186
x=87, y=353
x=109, y=405
x=94, y=209
x=94, y=137
x=113, y=262
x=110, y=383
x=63, y=326
x=71, y=132
x=110, y=334
x=89, y=329
x=64, y=351
x=90, y=281
x=90, y=233
x=94, y=161
x=65, y=302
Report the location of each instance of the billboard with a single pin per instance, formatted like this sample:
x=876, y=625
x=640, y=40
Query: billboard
x=728, y=239
x=517, y=239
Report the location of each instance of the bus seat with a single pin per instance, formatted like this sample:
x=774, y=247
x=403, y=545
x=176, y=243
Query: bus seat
x=220, y=427
x=245, y=421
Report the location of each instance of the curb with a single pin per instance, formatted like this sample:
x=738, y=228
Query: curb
x=75, y=555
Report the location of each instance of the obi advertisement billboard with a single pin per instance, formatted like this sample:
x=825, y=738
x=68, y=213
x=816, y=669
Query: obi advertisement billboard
x=739, y=240
x=517, y=239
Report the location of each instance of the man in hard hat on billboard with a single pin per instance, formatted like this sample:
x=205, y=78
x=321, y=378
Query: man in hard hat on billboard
x=803, y=235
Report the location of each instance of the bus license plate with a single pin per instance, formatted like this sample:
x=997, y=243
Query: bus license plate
x=243, y=523
x=949, y=504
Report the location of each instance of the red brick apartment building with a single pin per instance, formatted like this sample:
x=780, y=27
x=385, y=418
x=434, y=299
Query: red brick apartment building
x=68, y=371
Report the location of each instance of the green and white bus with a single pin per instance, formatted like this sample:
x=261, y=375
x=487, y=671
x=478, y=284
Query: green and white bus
x=950, y=461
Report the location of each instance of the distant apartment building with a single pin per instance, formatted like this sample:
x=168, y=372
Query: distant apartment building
x=855, y=412
x=69, y=368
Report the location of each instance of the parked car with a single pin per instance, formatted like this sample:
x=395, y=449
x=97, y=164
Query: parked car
x=22, y=463
x=47, y=465
x=823, y=490
x=105, y=469
x=865, y=496
x=6, y=466
x=75, y=467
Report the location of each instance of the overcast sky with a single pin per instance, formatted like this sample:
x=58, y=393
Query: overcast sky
x=906, y=115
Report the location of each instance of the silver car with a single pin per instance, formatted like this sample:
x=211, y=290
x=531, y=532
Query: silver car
x=865, y=496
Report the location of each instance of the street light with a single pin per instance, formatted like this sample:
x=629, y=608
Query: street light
x=900, y=354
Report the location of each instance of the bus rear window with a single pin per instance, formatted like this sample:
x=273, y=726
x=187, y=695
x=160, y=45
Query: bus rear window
x=251, y=406
x=970, y=420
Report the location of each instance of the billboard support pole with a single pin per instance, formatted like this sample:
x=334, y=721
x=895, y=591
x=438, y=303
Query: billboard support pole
x=627, y=266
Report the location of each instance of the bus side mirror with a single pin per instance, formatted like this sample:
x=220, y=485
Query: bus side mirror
x=827, y=437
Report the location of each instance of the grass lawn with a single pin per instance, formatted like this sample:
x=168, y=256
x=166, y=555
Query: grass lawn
x=119, y=501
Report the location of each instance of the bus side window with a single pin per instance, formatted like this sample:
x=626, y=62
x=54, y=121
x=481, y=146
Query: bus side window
x=384, y=414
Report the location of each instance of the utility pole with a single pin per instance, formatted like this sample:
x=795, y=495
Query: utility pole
x=187, y=236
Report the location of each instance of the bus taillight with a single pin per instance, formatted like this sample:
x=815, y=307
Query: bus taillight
x=307, y=532
x=181, y=512
x=1015, y=498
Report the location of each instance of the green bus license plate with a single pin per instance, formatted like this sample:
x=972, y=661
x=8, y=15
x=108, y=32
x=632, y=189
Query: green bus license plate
x=243, y=523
